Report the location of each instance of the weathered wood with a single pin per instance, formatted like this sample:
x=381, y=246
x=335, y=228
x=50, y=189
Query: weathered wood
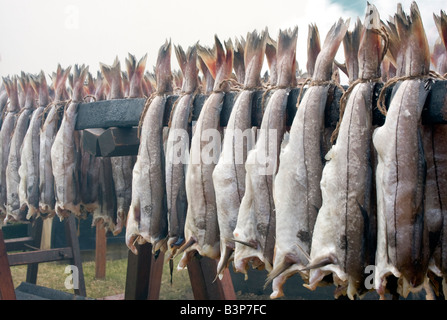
x=155, y=275
x=19, y=243
x=36, y=233
x=76, y=260
x=137, y=276
x=100, y=250
x=6, y=284
x=39, y=256
x=205, y=286
x=119, y=135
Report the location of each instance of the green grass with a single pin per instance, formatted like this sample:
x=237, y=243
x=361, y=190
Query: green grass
x=52, y=275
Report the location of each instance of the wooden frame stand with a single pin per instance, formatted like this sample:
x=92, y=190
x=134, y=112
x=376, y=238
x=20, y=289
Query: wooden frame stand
x=144, y=272
x=33, y=258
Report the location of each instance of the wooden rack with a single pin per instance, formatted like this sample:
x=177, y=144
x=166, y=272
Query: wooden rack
x=110, y=129
x=32, y=258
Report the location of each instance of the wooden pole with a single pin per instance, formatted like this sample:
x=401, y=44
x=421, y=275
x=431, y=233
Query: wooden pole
x=100, y=251
x=6, y=284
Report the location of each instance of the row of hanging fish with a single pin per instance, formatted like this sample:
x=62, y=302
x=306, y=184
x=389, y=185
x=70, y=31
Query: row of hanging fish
x=306, y=199
x=44, y=169
x=301, y=204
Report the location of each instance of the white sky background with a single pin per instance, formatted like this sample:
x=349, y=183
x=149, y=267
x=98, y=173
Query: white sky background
x=37, y=35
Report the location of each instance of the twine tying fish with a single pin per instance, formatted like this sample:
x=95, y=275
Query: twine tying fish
x=344, y=100
x=194, y=94
x=314, y=83
x=143, y=114
x=432, y=75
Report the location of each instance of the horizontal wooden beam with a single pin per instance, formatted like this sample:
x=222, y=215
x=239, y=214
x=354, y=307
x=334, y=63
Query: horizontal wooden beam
x=38, y=256
x=111, y=126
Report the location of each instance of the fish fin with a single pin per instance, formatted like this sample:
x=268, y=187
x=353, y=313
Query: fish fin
x=323, y=261
x=288, y=261
x=223, y=263
x=248, y=244
x=113, y=77
x=342, y=67
x=255, y=47
x=305, y=254
x=163, y=72
x=313, y=48
x=286, y=57
x=185, y=246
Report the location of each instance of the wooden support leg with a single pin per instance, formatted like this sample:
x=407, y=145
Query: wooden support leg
x=202, y=274
x=144, y=272
x=73, y=242
x=36, y=226
x=100, y=251
x=6, y=284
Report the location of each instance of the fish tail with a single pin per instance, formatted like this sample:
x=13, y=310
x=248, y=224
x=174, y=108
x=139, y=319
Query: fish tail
x=59, y=82
x=255, y=48
x=270, y=54
x=163, y=69
x=188, y=65
x=418, y=32
x=224, y=64
x=208, y=78
x=351, y=44
x=286, y=57
x=441, y=25
x=135, y=73
x=313, y=48
x=13, y=93
x=223, y=262
x=325, y=59
x=113, y=77
x=79, y=75
x=39, y=84
x=238, y=59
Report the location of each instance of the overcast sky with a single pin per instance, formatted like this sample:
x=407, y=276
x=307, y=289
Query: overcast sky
x=37, y=35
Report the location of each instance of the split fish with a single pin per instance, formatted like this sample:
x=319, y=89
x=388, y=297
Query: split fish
x=402, y=237
x=29, y=164
x=147, y=218
x=13, y=209
x=434, y=137
x=343, y=232
x=122, y=165
x=6, y=132
x=201, y=226
x=177, y=148
x=50, y=124
x=65, y=152
x=229, y=173
x=254, y=233
x=297, y=191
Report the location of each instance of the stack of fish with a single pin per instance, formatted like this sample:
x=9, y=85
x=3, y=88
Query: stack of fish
x=290, y=200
